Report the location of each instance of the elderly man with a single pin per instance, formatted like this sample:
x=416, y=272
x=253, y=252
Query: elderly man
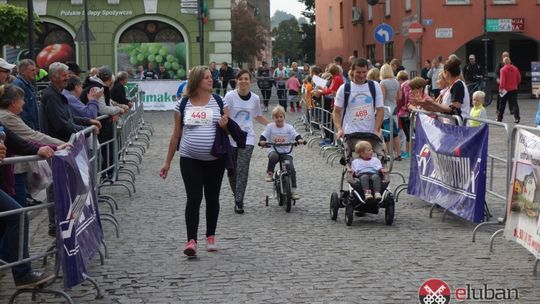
x=27, y=74
x=118, y=91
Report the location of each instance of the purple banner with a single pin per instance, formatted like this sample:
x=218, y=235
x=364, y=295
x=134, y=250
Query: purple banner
x=78, y=226
x=448, y=166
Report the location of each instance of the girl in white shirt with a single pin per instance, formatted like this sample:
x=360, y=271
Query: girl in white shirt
x=244, y=107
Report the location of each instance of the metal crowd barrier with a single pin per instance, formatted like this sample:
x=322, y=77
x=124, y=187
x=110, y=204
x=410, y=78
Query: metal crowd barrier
x=131, y=134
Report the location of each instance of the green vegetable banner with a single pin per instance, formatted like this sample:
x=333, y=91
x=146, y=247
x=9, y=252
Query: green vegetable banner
x=172, y=56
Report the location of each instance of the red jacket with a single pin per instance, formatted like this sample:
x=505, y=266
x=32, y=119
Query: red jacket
x=510, y=78
x=337, y=81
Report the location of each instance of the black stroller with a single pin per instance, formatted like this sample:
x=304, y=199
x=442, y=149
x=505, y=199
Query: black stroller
x=353, y=199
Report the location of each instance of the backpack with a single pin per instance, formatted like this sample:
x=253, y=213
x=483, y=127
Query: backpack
x=347, y=92
x=184, y=100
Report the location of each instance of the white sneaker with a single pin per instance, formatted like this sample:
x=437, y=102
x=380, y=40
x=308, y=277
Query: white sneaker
x=211, y=244
x=295, y=195
x=268, y=177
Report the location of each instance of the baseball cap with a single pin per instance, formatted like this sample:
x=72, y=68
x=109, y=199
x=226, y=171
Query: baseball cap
x=6, y=65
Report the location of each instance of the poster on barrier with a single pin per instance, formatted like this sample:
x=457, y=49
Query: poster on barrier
x=448, y=166
x=78, y=232
x=522, y=224
x=158, y=95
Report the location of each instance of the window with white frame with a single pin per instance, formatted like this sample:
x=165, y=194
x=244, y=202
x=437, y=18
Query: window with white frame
x=504, y=1
x=370, y=12
x=407, y=5
x=387, y=5
x=330, y=19
x=458, y=2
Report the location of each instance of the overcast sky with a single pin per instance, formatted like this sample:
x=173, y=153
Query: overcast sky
x=290, y=6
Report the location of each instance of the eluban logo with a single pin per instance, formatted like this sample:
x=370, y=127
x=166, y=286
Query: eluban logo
x=434, y=291
x=485, y=293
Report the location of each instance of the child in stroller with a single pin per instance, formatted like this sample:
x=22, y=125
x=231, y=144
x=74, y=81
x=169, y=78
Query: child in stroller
x=363, y=177
x=368, y=168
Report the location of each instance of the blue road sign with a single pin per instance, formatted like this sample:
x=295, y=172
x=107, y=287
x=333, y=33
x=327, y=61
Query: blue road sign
x=384, y=33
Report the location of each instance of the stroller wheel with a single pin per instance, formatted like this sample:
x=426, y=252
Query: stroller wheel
x=334, y=206
x=389, y=211
x=349, y=214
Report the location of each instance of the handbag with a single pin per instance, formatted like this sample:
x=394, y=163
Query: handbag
x=39, y=177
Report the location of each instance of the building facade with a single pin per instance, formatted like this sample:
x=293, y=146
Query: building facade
x=128, y=33
x=347, y=27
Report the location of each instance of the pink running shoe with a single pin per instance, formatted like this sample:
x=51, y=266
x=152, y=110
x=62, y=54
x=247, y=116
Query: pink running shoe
x=190, y=249
x=211, y=244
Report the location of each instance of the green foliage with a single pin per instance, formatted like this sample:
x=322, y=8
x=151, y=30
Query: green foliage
x=310, y=10
x=287, y=38
x=278, y=17
x=14, y=25
x=248, y=35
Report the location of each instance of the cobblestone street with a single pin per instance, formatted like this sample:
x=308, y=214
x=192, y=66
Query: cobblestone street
x=269, y=256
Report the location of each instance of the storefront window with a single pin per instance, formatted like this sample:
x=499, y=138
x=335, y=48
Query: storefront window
x=53, y=44
x=153, y=45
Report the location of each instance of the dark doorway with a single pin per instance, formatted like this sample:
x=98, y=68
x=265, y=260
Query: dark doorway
x=477, y=47
x=522, y=52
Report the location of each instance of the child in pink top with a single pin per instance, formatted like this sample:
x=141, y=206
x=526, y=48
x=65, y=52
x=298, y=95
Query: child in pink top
x=293, y=86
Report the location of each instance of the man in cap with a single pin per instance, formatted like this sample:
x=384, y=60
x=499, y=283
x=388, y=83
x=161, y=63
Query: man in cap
x=74, y=69
x=472, y=71
x=5, y=71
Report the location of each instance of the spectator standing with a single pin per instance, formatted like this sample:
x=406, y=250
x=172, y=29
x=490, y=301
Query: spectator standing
x=472, y=71
x=396, y=66
x=118, y=91
x=202, y=172
x=425, y=70
x=281, y=75
x=23, y=275
x=226, y=75
x=5, y=71
x=163, y=73
x=27, y=74
x=216, y=83
x=433, y=73
x=72, y=92
x=508, y=89
x=264, y=82
x=150, y=72
x=391, y=91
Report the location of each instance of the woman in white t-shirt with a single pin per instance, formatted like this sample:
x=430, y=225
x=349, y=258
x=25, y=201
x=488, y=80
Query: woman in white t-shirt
x=244, y=107
x=195, y=129
x=456, y=99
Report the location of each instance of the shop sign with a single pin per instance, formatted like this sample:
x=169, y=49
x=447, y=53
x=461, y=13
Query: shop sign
x=444, y=32
x=189, y=7
x=505, y=25
x=96, y=13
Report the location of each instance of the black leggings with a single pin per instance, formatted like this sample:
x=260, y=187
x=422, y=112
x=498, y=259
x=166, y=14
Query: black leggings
x=266, y=94
x=201, y=175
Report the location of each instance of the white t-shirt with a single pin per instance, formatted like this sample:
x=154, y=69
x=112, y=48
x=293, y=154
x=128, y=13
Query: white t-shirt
x=285, y=134
x=465, y=105
x=243, y=112
x=360, y=114
x=199, y=130
x=360, y=166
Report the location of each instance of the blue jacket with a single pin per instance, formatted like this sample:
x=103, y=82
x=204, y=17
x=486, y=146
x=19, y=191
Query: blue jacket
x=222, y=146
x=30, y=113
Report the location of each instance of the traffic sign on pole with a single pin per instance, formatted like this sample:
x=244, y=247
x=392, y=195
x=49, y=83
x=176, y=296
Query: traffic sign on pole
x=384, y=33
x=416, y=30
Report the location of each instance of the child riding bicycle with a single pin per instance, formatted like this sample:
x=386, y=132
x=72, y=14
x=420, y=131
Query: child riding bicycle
x=280, y=132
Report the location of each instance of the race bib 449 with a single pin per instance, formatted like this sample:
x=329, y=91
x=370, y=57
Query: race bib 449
x=199, y=116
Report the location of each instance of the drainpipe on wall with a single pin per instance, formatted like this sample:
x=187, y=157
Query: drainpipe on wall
x=31, y=37
x=201, y=30
x=86, y=37
x=419, y=41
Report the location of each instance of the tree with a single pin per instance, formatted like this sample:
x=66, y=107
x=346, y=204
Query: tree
x=278, y=17
x=14, y=25
x=287, y=38
x=308, y=30
x=248, y=35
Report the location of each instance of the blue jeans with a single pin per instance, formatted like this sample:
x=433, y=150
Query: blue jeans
x=9, y=236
